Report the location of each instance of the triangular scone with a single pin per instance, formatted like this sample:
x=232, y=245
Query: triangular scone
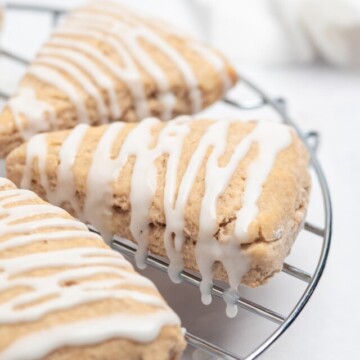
x=225, y=195
x=64, y=294
x=105, y=63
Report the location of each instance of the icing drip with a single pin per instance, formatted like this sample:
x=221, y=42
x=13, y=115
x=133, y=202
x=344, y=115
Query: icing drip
x=171, y=143
x=20, y=218
x=270, y=139
x=99, y=183
x=142, y=187
x=27, y=104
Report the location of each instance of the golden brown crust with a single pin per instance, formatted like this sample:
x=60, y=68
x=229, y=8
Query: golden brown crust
x=282, y=204
x=168, y=345
x=209, y=82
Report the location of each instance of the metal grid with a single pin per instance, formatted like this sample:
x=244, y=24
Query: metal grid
x=311, y=140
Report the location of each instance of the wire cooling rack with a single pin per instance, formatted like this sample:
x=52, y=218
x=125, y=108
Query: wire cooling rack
x=199, y=344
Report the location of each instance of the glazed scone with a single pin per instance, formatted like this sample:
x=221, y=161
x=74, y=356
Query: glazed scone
x=64, y=294
x=105, y=63
x=223, y=197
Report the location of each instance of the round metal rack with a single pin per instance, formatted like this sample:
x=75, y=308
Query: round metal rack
x=323, y=232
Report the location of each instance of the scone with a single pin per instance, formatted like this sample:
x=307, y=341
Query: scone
x=64, y=294
x=223, y=197
x=105, y=63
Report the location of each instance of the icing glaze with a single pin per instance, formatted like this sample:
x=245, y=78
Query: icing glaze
x=130, y=34
x=54, y=78
x=128, y=75
x=125, y=14
x=104, y=170
x=26, y=103
x=22, y=219
x=129, y=38
x=92, y=69
x=142, y=329
x=84, y=82
x=83, y=70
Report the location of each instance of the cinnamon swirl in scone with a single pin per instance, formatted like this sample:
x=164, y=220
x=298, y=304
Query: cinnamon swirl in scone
x=106, y=63
x=64, y=294
x=224, y=197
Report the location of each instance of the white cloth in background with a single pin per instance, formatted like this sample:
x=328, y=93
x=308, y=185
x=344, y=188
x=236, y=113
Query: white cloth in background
x=334, y=28
x=284, y=31
x=248, y=31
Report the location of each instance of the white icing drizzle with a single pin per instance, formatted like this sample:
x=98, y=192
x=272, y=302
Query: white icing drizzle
x=128, y=74
x=37, y=147
x=182, y=65
x=27, y=104
x=207, y=54
x=171, y=143
x=81, y=79
x=130, y=35
x=67, y=158
x=142, y=329
x=25, y=230
x=93, y=263
x=57, y=80
x=68, y=53
x=19, y=217
x=166, y=97
x=93, y=70
x=137, y=142
x=270, y=139
x=99, y=183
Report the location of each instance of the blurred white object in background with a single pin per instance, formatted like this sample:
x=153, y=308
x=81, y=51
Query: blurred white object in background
x=287, y=13
x=325, y=29
x=334, y=28
x=247, y=31
x=1, y=17
x=283, y=31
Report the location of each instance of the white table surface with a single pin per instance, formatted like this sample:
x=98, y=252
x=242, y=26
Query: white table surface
x=326, y=100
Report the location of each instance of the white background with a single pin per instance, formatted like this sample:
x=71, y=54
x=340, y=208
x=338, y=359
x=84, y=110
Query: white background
x=321, y=98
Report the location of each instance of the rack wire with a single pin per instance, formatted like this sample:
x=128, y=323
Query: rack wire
x=311, y=141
